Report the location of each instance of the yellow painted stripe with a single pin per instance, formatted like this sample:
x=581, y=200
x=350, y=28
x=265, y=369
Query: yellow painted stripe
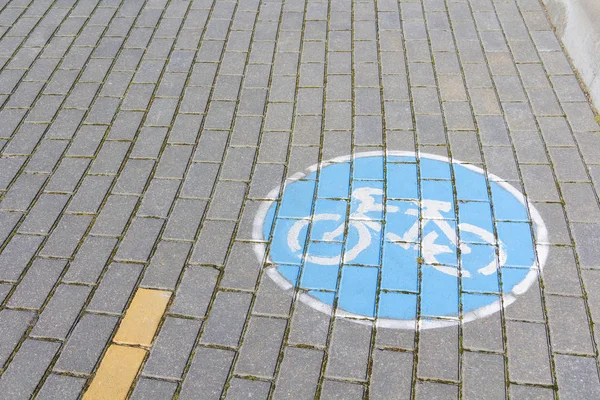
x=121, y=363
x=142, y=318
x=116, y=374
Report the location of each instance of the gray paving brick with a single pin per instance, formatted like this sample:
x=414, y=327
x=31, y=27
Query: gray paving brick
x=567, y=164
x=392, y=372
x=554, y=218
x=226, y=320
x=172, y=347
x=37, y=283
x=90, y=194
x=341, y=390
x=132, y=179
x=213, y=243
x=44, y=213
x=585, y=236
x=158, y=198
x=61, y=311
x=61, y=386
x=207, y=374
x=115, y=288
x=17, y=254
x=22, y=376
x=166, y=265
x=568, y=321
x=68, y=175
x=90, y=260
x=185, y=219
x=10, y=166
x=271, y=300
x=434, y=390
x=227, y=200
x=260, y=349
x=349, y=350
x=110, y=157
x=149, y=142
x=153, y=389
x=580, y=202
x=577, y=377
x=248, y=388
x=25, y=139
x=86, y=344
x=8, y=220
x=483, y=376
x=265, y=175
x=114, y=215
x=539, y=183
x=199, y=180
x=195, y=292
x=139, y=239
x=125, y=126
x=87, y=140
x=528, y=359
x=46, y=156
x=185, y=129
x=14, y=325
x=299, y=374
x=22, y=192
x=438, y=356
x=211, y=146
x=530, y=392
x=138, y=97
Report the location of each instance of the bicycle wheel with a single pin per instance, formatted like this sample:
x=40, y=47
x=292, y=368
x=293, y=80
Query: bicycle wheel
x=487, y=237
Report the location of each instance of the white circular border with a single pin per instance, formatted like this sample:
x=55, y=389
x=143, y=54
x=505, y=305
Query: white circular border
x=541, y=236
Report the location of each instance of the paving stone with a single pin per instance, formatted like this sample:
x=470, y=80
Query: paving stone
x=483, y=376
x=213, y=243
x=195, y=292
x=576, y=377
x=31, y=361
x=115, y=288
x=61, y=311
x=247, y=389
x=14, y=324
x=17, y=254
x=528, y=359
x=86, y=344
x=44, y=213
x=158, y=198
x=37, y=283
x=299, y=374
x=153, y=389
x=207, y=374
x=392, y=373
x=271, y=300
x=568, y=322
x=341, y=390
x=434, y=390
x=139, y=239
x=61, y=386
x=114, y=215
x=66, y=236
x=166, y=265
x=260, y=349
x=580, y=202
x=227, y=318
x=349, y=350
x=530, y=392
x=438, y=357
x=211, y=147
x=171, y=348
x=90, y=260
x=132, y=179
x=200, y=180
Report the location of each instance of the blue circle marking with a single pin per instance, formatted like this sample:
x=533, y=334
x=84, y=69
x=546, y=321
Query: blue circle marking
x=395, y=238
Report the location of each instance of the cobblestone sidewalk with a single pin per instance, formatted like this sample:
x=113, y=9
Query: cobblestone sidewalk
x=141, y=142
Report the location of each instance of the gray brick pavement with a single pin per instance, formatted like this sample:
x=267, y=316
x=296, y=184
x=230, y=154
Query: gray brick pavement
x=140, y=138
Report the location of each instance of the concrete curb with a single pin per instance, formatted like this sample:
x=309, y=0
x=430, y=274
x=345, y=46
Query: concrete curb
x=577, y=24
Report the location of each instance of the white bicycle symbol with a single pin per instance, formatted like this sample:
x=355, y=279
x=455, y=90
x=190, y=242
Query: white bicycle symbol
x=431, y=213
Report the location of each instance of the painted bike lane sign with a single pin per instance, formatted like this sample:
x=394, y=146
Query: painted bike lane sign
x=399, y=237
